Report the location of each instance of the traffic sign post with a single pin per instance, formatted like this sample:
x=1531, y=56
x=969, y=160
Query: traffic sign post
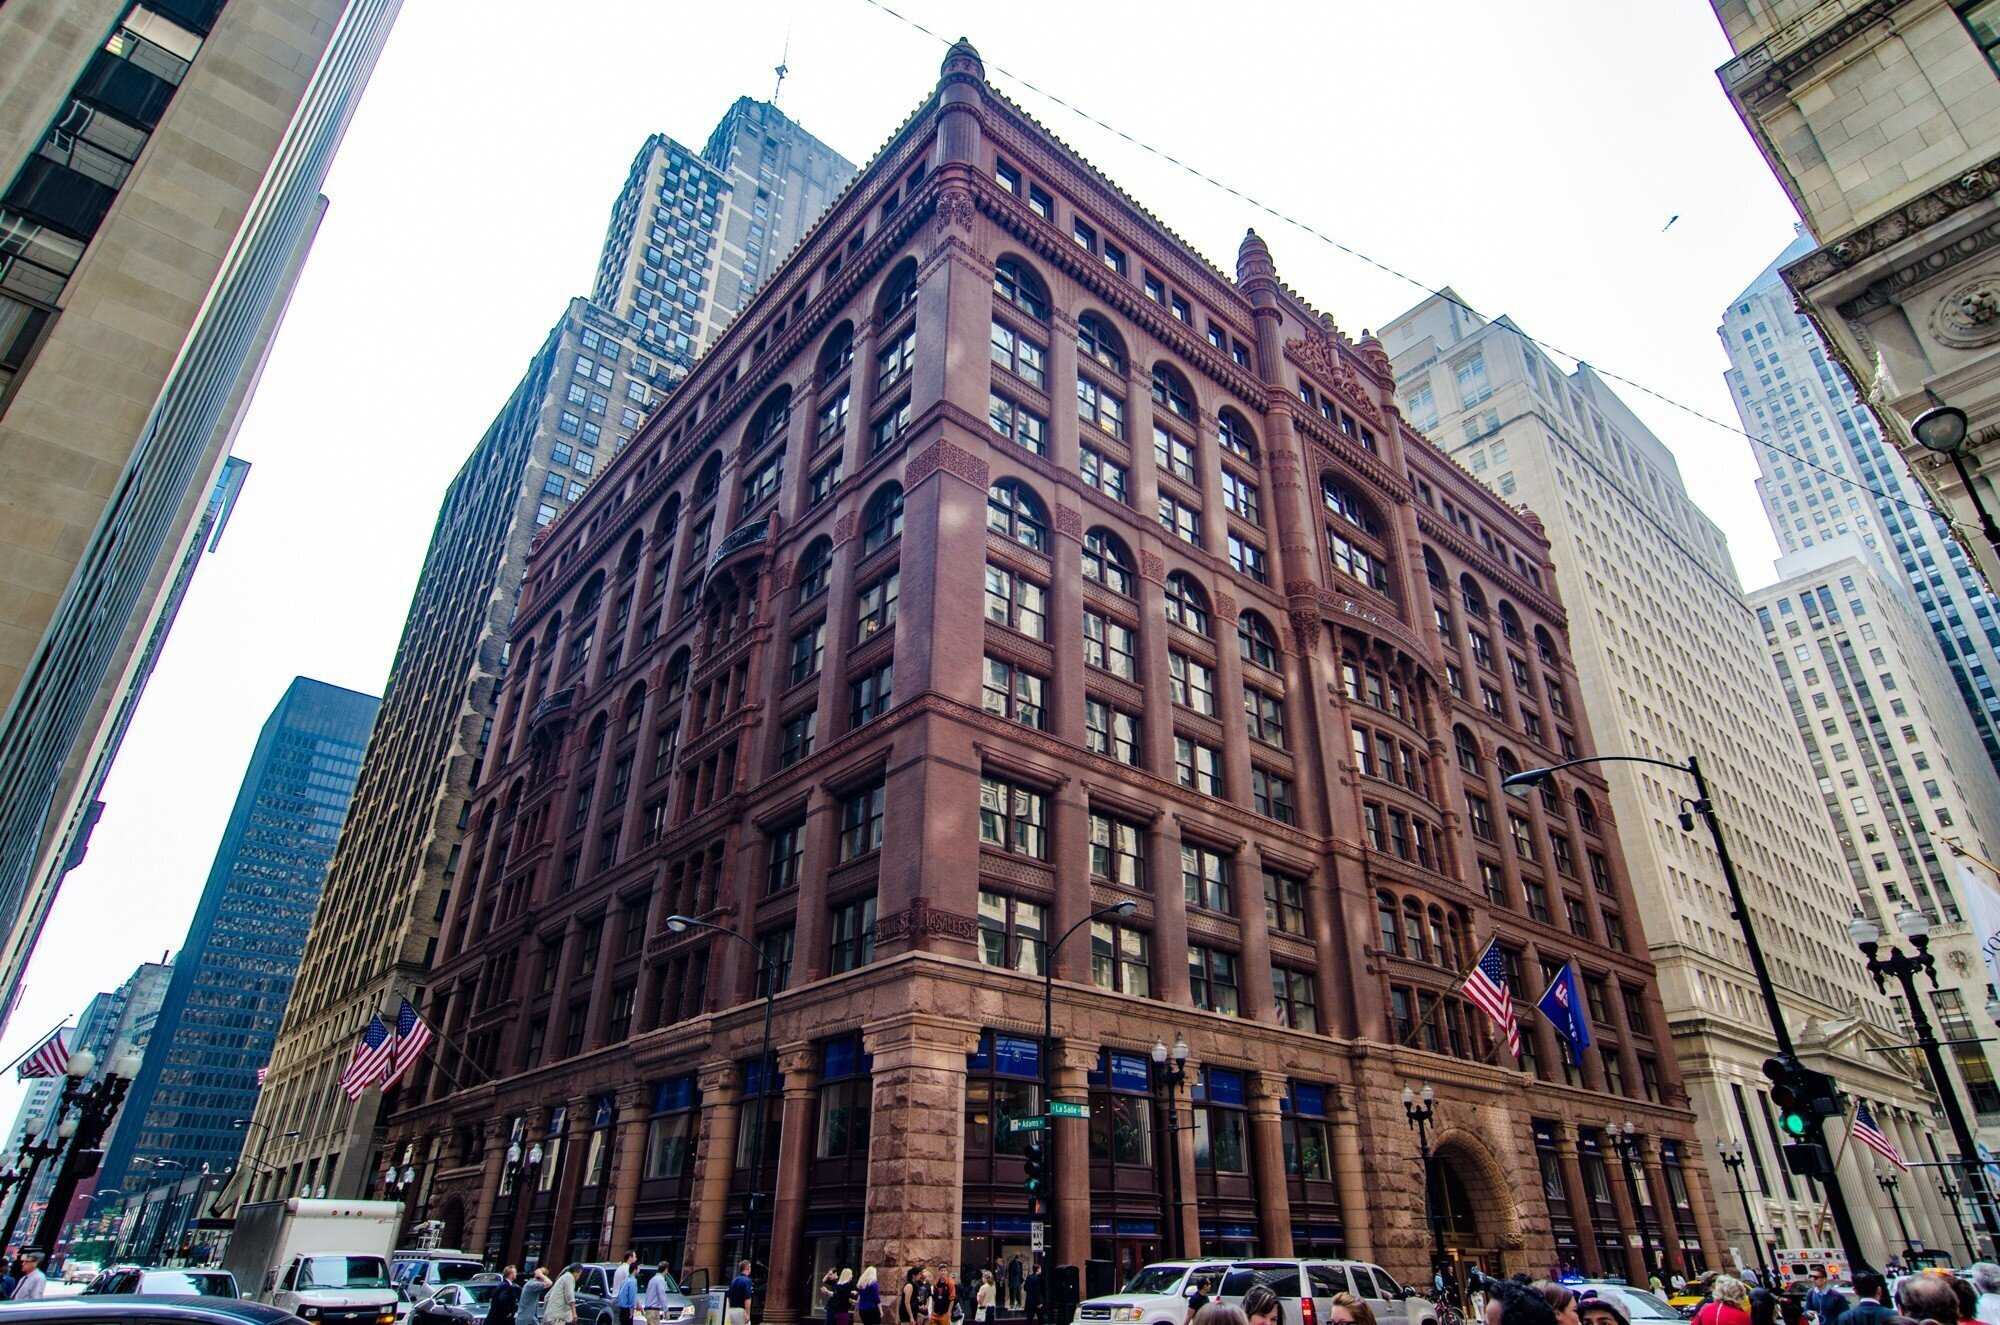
x=1037, y=1239
x=1035, y=1123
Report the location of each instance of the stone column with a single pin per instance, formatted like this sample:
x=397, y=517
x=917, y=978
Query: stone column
x=1267, y=1147
x=495, y=1133
x=1579, y=1200
x=1663, y=1202
x=1348, y=1176
x=556, y=1032
x=715, y=1161
x=800, y=1066
x=1694, y=1172
x=1069, y=835
x=1616, y=1172
x=1070, y=1191
x=1170, y=940
x=1256, y=943
x=628, y=1159
x=569, y=1179
x=916, y=1143
x=810, y=954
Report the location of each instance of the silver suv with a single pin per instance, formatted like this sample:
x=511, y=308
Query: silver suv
x=1305, y=1289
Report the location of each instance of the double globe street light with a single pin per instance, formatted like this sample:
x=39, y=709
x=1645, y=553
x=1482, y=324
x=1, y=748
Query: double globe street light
x=1942, y=430
x=1170, y=1068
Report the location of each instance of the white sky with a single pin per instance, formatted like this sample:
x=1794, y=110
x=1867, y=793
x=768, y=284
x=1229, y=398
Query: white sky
x=1527, y=154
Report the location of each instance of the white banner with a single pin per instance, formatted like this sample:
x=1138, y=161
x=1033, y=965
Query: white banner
x=1981, y=904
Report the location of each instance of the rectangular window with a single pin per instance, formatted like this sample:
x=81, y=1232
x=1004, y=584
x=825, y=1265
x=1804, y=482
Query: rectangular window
x=1264, y=716
x=1112, y=647
x=1109, y=731
x=870, y=696
x=825, y=482
x=1016, y=603
x=1104, y=474
x=1013, y=933
x=861, y=822
x=890, y=427
x=1117, y=851
x=1120, y=960
x=875, y=606
x=785, y=850
x=1205, y=879
x=1198, y=767
x=1292, y=998
x=1284, y=903
x=1013, y=818
x=1239, y=497
x=832, y=418
x=1180, y=519
x=893, y=363
x=1099, y=408
x=1247, y=559
x=1018, y=424
x=1212, y=981
x=1175, y=456
x=1192, y=684
x=852, y=935
x=808, y=652
x=1271, y=795
x=1020, y=356
x=1013, y=693
x=796, y=737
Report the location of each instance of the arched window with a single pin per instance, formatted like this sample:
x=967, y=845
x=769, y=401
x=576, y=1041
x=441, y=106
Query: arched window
x=1256, y=641
x=898, y=292
x=1016, y=282
x=1187, y=605
x=1471, y=595
x=669, y=523
x=635, y=708
x=1467, y=750
x=709, y=480
x=1434, y=572
x=815, y=569
x=1413, y=930
x=1106, y=561
x=767, y=425
x=1551, y=798
x=589, y=596
x=1096, y=339
x=1440, y=953
x=1586, y=811
x=1385, y=924
x=1504, y=760
x=628, y=560
x=677, y=678
x=1510, y=621
x=1344, y=502
x=1013, y=511
x=837, y=353
x=1545, y=645
x=1457, y=962
x=1171, y=389
x=883, y=519
x=1233, y=431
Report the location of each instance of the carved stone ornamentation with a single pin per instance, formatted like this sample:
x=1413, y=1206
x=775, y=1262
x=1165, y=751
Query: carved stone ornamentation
x=1069, y=522
x=943, y=456
x=1225, y=607
x=1152, y=567
x=1305, y=630
x=781, y=578
x=955, y=208
x=921, y=919
x=845, y=528
x=1317, y=353
x=1969, y=316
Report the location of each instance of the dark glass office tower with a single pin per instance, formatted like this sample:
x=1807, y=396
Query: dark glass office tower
x=234, y=972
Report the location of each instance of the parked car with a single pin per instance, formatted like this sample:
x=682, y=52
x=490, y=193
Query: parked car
x=164, y=1283
x=141, y=1310
x=593, y=1296
x=457, y=1304
x=1306, y=1286
x=424, y=1272
x=76, y=1271
x=1639, y=1303
x=1156, y=1295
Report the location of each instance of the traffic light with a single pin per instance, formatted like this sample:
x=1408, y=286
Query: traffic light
x=1803, y=1097
x=1037, y=1166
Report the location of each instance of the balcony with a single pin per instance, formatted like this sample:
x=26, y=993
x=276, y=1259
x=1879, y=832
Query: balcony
x=740, y=544
x=555, y=705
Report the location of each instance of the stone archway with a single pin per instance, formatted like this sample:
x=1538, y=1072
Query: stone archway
x=1475, y=1204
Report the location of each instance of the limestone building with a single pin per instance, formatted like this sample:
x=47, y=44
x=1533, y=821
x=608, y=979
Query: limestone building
x=1006, y=572
x=681, y=235
x=1881, y=120
x=162, y=162
x=1671, y=664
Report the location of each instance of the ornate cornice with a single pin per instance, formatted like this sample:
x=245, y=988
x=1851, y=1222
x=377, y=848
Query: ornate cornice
x=1972, y=189
x=1769, y=67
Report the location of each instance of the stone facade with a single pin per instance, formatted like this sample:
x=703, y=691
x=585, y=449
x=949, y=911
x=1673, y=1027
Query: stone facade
x=879, y=655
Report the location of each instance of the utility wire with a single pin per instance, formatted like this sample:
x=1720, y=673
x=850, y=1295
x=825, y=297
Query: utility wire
x=1287, y=219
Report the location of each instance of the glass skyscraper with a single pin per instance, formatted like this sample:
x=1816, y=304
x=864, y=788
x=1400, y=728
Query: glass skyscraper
x=234, y=971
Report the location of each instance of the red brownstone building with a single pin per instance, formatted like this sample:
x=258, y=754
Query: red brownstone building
x=1003, y=562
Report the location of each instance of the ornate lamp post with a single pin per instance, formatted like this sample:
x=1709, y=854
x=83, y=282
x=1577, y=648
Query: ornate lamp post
x=1903, y=967
x=1419, y=1116
x=1629, y=1159
x=1889, y=1183
x=80, y=1065
x=1949, y=1190
x=95, y=1108
x=1731, y=1155
x=1170, y=1068
x=524, y=1164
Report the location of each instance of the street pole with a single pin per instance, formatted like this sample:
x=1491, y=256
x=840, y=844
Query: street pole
x=1419, y=1116
x=96, y=1107
x=1732, y=1159
x=1171, y=1066
x=1916, y=926
x=1887, y=1182
x=1950, y=1192
x=1627, y=1142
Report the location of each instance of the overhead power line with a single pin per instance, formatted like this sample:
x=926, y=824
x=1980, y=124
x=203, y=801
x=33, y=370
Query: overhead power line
x=1304, y=227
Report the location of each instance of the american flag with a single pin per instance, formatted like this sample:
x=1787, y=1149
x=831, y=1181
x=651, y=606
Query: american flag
x=412, y=1034
x=370, y=1061
x=260, y=1074
x=1868, y=1134
x=1487, y=986
x=46, y=1059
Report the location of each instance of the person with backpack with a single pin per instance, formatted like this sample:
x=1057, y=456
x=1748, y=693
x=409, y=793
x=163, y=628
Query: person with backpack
x=944, y=1295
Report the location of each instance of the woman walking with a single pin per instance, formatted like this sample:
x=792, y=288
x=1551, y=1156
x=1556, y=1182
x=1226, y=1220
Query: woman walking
x=868, y=1297
x=840, y=1302
x=982, y=1301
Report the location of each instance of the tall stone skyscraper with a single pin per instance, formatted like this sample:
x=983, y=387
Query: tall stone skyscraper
x=1788, y=393
x=160, y=166
x=1671, y=663
x=686, y=230
x=234, y=971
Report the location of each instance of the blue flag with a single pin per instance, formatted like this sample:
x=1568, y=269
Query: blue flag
x=1563, y=1006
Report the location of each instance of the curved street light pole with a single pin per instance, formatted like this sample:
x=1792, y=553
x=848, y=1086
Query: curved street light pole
x=1703, y=805
x=1731, y=1156
x=768, y=978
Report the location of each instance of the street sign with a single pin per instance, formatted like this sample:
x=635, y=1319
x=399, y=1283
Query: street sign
x=1035, y=1238
x=1065, y=1109
x=1034, y=1124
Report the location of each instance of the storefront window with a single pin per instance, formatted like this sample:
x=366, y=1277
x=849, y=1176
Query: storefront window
x=671, y=1131
x=1220, y=1123
x=1120, y=1110
x=844, y=1093
x=759, y=1078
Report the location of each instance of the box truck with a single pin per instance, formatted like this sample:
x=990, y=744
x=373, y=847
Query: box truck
x=325, y=1261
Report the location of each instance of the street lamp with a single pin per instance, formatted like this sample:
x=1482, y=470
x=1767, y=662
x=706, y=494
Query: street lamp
x=1170, y=1067
x=1703, y=806
x=767, y=975
x=1916, y=927
x=1629, y=1158
x=1889, y=1183
x=257, y=1155
x=1949, y=1190
x=525, y=1164
x=1419, y=1116
x=1053, y=1242
x=82, y=1132
x=1942, y=430
x=1731, y=1155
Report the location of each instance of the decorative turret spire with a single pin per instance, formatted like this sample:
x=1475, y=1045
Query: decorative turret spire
x=1253, y=258
x=962, y=61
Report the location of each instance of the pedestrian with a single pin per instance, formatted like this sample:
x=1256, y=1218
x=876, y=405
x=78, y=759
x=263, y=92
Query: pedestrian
x=33, y=1283
x=982, y=1301
x=1031, y=1292
x=1606, y=1310
x=944, y=1293
x=1220, y=1313
x=654, y=1304
x=1728, y=1304
x=868, y=1296
x=625, y=1293
x=1828, y=1302
x=529, y=1312
x=1015, y=1274
x=1986, y=1282
x=1679, y=1281
x=505, y=1305
x=1562, y=1300
x=1508, y=1303
x=1871, y=1302
x=10, y=1275
x=1928, y=1298
x=1763, y=1307
x=910, y=1298
x=559, y=1304
x=1347, y=1309
x=737, y=1298
x=1968, y=1299
x=624, y=1272
x=1260, y=1305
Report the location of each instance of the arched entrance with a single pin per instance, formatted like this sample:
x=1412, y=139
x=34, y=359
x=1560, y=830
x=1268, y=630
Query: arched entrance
x=1477, y=1219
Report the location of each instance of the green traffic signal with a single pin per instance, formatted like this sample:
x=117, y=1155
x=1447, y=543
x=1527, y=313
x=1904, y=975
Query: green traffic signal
x=1795, y=1123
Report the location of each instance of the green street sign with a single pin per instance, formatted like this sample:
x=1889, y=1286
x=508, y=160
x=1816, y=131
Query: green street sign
x=1034, y=1124
x=1065, y=1109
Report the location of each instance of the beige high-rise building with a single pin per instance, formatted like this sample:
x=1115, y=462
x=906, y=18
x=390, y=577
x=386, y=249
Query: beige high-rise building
x=1882, y=122
x=1900, y=772
x=162, y=162
x=1672, y=664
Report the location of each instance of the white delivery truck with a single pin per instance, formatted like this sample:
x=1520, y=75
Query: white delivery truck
x=325, y=1261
